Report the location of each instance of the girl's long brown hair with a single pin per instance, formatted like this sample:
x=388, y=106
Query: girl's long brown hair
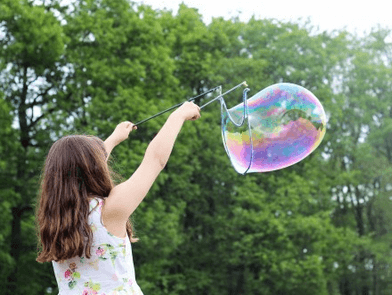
x=75, y=169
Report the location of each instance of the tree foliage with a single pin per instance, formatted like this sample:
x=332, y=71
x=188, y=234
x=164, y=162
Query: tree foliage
x=321, y=226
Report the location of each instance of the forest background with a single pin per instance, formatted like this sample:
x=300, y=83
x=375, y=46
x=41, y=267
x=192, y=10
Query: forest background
x=322, y=226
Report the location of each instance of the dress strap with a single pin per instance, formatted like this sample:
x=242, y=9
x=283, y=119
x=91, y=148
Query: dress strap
x=94, y=203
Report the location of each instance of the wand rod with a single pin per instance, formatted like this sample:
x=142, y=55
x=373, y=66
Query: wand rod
x=193, y=98
x=175, y=106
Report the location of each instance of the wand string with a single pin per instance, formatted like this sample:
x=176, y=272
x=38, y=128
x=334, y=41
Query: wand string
x=221, y=95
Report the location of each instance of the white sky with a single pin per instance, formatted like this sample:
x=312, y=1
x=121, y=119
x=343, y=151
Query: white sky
x=356, y=16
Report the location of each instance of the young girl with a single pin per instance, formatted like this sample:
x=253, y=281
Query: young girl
x=83, y=219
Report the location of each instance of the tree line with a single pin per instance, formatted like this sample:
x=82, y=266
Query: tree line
x=322, y=226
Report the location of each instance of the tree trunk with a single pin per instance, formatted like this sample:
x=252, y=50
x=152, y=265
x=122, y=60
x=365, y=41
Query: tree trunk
x=376, y=288
x=17, y=211
x=344, y=286
x=15, y=249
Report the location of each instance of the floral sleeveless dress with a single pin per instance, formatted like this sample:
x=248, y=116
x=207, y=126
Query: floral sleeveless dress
x=110, y=269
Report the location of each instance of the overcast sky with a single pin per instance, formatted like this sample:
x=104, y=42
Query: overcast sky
x=356, y=16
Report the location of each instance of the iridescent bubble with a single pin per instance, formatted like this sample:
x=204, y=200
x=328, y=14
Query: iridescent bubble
x=277, y=127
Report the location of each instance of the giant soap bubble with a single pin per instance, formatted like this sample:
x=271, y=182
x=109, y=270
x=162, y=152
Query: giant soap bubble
x=277, y=127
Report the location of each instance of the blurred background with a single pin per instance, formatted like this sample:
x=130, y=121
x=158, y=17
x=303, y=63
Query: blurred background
x=322, y=226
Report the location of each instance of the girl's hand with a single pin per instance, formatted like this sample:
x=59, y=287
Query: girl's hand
x=188, y=111
x=122, y=131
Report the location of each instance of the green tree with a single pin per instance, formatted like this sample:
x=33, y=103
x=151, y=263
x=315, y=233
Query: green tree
x=7, y=146
x=359, y=157
x=32, y=44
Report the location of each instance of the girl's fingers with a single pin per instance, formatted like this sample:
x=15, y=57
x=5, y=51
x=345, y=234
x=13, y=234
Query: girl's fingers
x=196, y=117
x=130, y=126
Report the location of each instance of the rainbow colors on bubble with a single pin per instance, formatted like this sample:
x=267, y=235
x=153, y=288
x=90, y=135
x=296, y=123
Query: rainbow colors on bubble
x=276, y=128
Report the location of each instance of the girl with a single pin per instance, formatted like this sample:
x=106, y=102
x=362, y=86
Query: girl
x=83, y=219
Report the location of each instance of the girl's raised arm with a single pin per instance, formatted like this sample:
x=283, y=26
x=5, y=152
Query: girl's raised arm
x=119, y=134
x=126, y=197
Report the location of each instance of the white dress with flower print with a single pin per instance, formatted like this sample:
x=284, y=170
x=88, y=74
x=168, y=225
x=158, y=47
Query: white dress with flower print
x=109, y=271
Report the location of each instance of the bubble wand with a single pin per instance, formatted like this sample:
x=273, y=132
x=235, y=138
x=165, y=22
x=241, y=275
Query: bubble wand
x=275, y=128
x=193, y=98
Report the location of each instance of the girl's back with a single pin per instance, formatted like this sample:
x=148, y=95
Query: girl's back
x=109, y=269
